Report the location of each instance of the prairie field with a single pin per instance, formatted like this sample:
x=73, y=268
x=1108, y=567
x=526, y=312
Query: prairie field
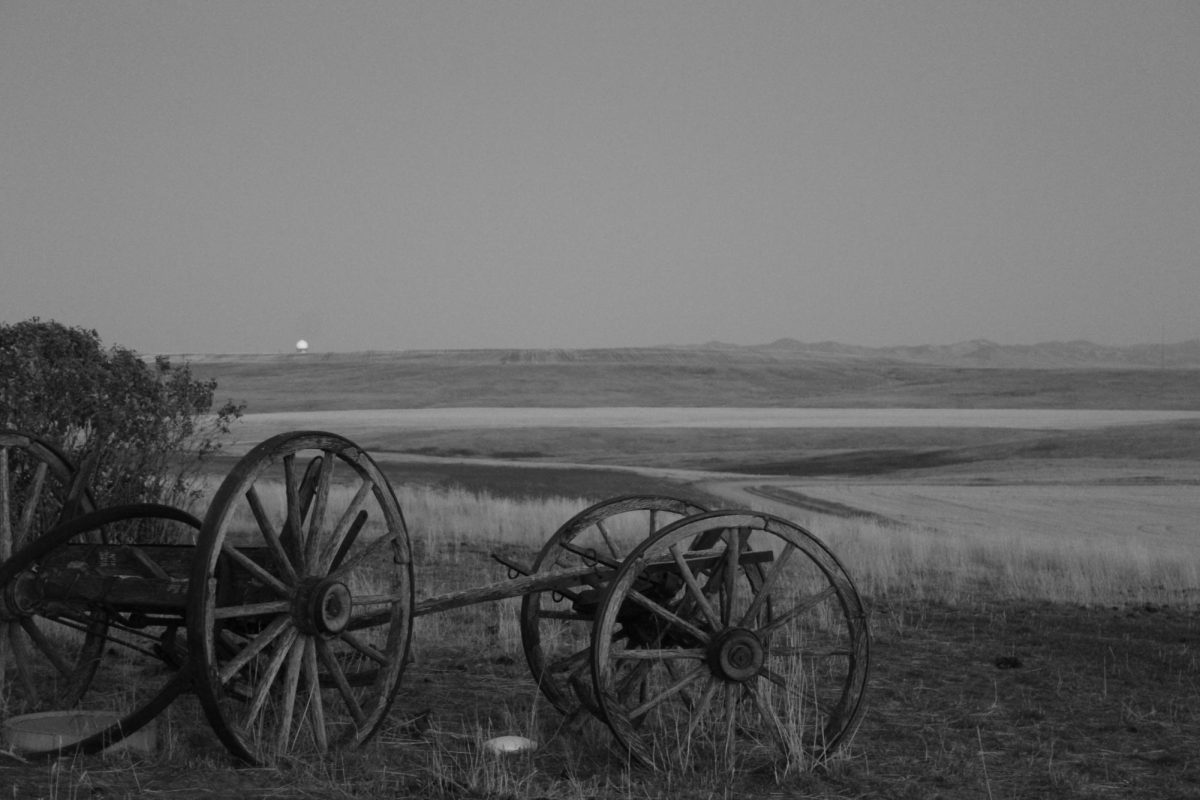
x=1032, y=577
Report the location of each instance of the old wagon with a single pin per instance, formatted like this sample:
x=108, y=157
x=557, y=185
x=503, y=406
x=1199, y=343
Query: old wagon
x=288, y=610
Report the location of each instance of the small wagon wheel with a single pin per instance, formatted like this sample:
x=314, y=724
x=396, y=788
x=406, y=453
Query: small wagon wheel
x=301, y=597
x=38, y=489
x=556, y=625
x=746, y=651
x=54, y=594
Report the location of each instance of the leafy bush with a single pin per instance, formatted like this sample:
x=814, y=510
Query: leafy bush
x=150, y=427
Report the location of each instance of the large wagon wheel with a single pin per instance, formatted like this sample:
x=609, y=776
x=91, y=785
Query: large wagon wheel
x=39, y=488
x=745, y=652
x=56, y=592
x=556, y=626
x=301, y=597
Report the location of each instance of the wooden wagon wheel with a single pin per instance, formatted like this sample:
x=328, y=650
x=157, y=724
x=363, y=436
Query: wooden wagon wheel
x=55, y=593
x=39, y=488
x=556, y=626
x=301, y=596
x=745, y=652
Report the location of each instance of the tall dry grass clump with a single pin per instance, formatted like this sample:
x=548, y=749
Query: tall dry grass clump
x=442, y=522
x=961, y=565
x=966, y=566
x=886, y=560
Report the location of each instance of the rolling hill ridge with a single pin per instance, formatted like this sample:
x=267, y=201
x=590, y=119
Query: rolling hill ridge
x=784, y=373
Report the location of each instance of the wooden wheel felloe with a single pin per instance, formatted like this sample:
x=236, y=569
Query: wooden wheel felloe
x=556, y=625
x=87, y=640
x=301, y=597
x=734, y=640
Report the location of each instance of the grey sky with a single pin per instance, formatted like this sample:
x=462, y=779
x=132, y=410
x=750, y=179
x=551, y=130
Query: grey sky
x=230, y=177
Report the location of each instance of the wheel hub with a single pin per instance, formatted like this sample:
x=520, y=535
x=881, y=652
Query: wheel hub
x=322, y=607
x=736, y=655
x=20, y=598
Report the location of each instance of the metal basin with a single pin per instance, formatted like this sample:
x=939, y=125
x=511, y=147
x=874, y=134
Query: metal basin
x=50, y=730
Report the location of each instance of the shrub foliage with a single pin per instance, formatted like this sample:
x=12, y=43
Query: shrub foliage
x=149, y=426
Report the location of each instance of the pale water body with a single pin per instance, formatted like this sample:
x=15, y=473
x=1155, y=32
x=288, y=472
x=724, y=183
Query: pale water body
x=687, y=417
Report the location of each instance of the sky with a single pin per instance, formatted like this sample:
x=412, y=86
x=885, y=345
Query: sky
x=230, y=177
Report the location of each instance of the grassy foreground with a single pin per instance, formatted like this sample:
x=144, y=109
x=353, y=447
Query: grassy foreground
x=976, y=691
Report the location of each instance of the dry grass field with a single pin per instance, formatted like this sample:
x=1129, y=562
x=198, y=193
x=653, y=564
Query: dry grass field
x=1032, y=590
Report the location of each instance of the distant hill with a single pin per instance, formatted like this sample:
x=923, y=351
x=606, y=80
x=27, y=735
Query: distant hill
x=980, y=353
x=985, y=353
x=785, y=373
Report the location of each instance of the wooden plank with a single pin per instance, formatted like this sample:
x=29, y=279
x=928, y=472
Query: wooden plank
x=76, y=586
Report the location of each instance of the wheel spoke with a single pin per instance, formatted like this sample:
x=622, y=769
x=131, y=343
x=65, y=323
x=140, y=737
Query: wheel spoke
x=151, y=566
x=316, y=519
x=295, y=514
x=316, y=706
x=268, y=531
x=23, y=660
x=732, y=558
x=267, y=678
x=710, y=691
x=765, y=590
x=252, y=609
x=570, y=663
x=731, y=706
x=344, y=525
x=770, y=719
x=616, y=554
x=256, y=646
x=805, y=605
x=675, y=688
x=291, y=686
x=339, y=679
x=694, y=589
x=791, y=692
x=24, y=532
x=245, y=562
x=362, y=647
x=362, y=556
x=670, y=617
x=665, y=654
x=635, y=678
x=351, y=537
